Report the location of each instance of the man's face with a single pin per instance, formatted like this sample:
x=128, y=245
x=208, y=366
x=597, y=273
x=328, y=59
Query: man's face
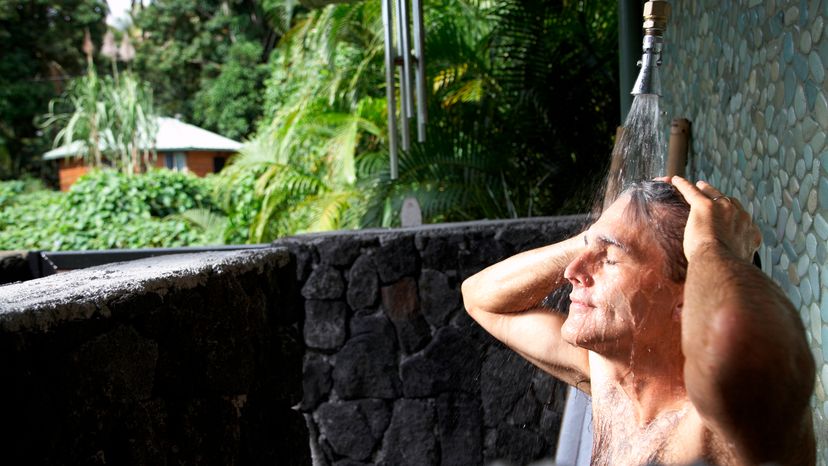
x=622, y=298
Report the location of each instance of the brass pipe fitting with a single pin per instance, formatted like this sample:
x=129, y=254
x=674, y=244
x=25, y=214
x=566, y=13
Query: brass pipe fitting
x=656, y=15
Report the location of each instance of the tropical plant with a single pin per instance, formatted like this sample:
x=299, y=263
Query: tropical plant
x=325, y=112
x=40, y=46
x=232, y=101
x=132, y=124
x=211, y=224
x=107, y=120
x=522, y=110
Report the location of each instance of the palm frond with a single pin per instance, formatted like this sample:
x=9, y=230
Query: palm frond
x=211, y=223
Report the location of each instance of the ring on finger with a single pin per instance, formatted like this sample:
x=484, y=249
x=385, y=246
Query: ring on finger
x=722, y=197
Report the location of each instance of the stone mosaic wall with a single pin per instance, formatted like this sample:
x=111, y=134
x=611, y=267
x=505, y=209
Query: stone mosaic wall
x=395, y=372
x=750, y=75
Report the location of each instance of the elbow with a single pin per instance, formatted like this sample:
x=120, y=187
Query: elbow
x=739, y=365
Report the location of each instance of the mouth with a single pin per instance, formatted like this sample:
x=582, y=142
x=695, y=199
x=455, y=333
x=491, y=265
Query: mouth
x=581, y=305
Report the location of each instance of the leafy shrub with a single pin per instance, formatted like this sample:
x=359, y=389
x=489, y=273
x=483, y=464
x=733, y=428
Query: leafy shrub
x=104, y=210
x=240, y=203
x=10, y=190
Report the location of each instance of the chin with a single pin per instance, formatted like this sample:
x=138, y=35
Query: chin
x=579, y=330
x=585, y=332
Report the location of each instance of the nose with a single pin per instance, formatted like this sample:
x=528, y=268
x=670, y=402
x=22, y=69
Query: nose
x=577, y=272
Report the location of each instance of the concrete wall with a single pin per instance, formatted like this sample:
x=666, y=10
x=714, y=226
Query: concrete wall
x=750, y=75
x=198, y=359
x=192, y=359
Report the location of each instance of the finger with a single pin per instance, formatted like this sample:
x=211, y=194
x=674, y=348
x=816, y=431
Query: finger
x=663, y=179
x=691, y=193
x=708, y=189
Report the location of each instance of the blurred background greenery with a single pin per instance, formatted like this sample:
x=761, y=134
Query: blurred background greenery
x=522, y=102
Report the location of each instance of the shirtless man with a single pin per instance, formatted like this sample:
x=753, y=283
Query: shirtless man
x=693, y=356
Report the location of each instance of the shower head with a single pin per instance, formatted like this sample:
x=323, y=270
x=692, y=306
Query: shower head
x=656, y=14
x=649, y=81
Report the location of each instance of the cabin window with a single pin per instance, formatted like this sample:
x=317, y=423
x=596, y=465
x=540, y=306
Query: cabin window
x=218, y=164
x=176, y=161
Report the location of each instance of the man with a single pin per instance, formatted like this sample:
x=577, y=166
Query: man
x=688, y=350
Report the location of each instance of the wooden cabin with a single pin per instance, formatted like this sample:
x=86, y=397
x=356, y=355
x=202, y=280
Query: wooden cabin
x=178, y=146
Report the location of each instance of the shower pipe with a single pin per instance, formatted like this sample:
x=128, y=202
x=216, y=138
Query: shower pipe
x=407, y=60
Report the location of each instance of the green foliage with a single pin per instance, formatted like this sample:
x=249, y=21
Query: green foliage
x=240, y=204
x=324, y=113
x=10, y=190
x=107, y=209
x=522, y=110
x=185, y=45
x=40, y=44
x=232, y=102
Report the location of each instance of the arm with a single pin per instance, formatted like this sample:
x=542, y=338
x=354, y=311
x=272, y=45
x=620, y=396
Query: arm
x=505, y=300
x=748, y=369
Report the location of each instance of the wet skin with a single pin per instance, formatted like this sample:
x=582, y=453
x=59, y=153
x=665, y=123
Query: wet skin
x=621, y=294
x=626, y=311
x=630, y=326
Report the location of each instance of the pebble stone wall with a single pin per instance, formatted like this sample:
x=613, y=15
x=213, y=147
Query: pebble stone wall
x=750, y=75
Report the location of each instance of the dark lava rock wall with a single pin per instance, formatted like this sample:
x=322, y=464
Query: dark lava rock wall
x=343, y=348
x=179, y=360
x=395, y=372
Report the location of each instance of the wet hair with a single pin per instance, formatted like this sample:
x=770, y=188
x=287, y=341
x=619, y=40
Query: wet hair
x=661, y=207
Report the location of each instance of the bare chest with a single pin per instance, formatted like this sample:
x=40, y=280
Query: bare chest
x=673, y=437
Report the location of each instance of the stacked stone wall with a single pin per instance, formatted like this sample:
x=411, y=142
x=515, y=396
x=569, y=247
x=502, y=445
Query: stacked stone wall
x=343, y=348
x=395, y=372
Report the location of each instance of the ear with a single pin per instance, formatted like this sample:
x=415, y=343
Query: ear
x=677, y=312
x=677, y=309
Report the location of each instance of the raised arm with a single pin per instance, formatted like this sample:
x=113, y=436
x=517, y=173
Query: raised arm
x=505, y=300
x=748, y=369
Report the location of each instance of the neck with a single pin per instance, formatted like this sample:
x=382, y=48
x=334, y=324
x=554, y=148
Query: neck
x=651, y=376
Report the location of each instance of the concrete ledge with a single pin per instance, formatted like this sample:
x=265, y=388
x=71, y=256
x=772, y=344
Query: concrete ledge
x=80, y=294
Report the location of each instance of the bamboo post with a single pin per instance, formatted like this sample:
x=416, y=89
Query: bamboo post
x=679, y=144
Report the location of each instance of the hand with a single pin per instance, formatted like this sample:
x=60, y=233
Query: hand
x=716, y=220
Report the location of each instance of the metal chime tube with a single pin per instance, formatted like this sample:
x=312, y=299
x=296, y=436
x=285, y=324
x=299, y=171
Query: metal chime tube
x=419, y=76
x=389, y=84
x=401, y=55
x=404, y=42
x=405, y=76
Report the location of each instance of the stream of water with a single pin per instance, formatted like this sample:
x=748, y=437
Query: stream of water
x=639, y=152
